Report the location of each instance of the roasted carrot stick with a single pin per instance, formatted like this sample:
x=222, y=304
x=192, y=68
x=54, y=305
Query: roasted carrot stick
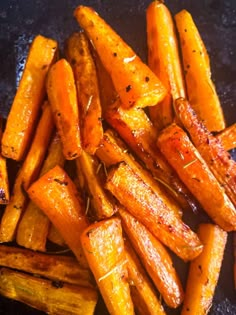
x=204, y=270
x=136, y=129
x=227, y=137
x=30, y=94
x=164, y=61
x=34, y=225
x=104, y=248
x=63, y=100
x=79, y=56
x=57, y=196
x=210, y=148
x=4, y=182
x=27, y=174
x=201, y=92
x=155, y=258
x=135, y=83
x=55, y=237
x=193, y=170
x=136, y=194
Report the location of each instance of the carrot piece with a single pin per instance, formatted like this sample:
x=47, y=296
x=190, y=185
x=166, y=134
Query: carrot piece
x=4, y=182
x=103, y=246
x=34, y=225
x=55, y=237
x=63, y=99
x=193, y=170
x=227, y=137
x=57, y=196
x=27, y=174
x=48, y=296
x=218, y=160
x=164, y=61
x=79, y=55
x=136, y=129
x=136, y=194
x=54, y=267
x=204, y=270
x=155, y=258
x=28, y=99
x=201, y=93
x=135, y=83
x=101, y=200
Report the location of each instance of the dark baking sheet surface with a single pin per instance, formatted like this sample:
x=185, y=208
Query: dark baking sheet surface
x=21, y=20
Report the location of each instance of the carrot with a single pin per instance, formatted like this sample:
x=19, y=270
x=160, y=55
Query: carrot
x=193, y=170
x=55, y=237
x=204, y=270
x=104, y=249
x=135, y=83
x=136, y=129
x=164, y=61
x=79, y=56
x=134, y=193
x=57, y=196
x=142, y=290
x=227, y=137
x=155, y=258
x=27, y=174
x=201, y=93
x=210, y=148
x=48, y=296
x=63, y=99
x=28, y=99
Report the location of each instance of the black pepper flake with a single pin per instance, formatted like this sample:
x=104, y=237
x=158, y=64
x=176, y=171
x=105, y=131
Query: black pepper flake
x=61, y=182
x=114, y=54
x=188, y=66
x=147, y=79
x=44, y=67
x=58, y=114
x=194, y=50
x=57, y=284
x=187, y=309
x=185, y=30
x=128, y=88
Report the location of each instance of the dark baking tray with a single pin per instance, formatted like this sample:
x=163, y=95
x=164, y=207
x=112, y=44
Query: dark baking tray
x=21, y=20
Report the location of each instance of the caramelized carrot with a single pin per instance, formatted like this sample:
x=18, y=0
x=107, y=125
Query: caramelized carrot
x=4, y=182
x=155, y=258
x=63, y=100
x=55, y=237
x=81, y=60
x=28, y=99
x=193, y=170
x=27, y=174
x=227, y=137
x=164, y=61
x=104, y=248
x=57, y=196
x=135, y=83
x=201, y=92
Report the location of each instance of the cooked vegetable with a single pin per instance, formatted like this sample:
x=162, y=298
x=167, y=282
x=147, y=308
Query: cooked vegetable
x=63, y=100
x=103, y=246
x=49, y=296
x=155, y=258
x=134, y=193
x=28, y=99
x=204, y=271
x=27, y=174
x=135, y=83
x=81, y=60
x=201, y=92
x=227, y=137
x=57, y=196
x=193, y=170
x=55, y=237
x=164, y=60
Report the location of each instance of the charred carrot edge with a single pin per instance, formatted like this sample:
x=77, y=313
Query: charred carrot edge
x=56, y=195
x=136, y=194
x=227, y=137
x=196, y=64
x=103, y=246
x=34, y=225
x=79, y=56
x=48, y=296
x=138, y=132
x=27, y=174
x=204, y=270
x=155, y=258
x=164, y=61
x=55, y=237
x=210, y=148
x=28, y=99
x=135, y=83
x=62, y=96
x=193, y=170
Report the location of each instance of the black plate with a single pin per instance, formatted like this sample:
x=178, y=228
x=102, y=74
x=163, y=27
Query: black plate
x=21, y=20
